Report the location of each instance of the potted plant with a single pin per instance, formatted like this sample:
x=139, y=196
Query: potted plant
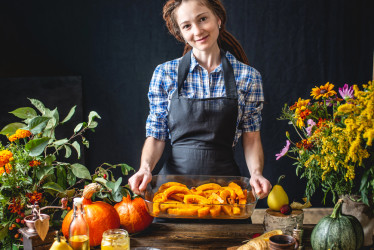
x=334, y=149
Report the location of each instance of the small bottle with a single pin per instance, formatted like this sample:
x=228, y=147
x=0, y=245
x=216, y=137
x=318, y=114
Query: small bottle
x=78, y=230
x=298, y=235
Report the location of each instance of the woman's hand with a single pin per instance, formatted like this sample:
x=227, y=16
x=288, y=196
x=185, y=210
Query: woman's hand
x=138, y=182
x=261, y=185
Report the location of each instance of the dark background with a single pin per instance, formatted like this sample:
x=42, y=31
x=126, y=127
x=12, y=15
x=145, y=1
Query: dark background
x=111, y=47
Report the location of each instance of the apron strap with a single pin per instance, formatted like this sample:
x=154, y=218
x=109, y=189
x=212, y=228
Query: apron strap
x=228, y=75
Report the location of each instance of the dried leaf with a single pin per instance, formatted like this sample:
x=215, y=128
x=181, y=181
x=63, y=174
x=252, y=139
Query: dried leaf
x=42, y=227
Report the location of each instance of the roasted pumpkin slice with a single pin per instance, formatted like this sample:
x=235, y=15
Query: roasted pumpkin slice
x=156, y=208
x=195, y=199
x=236, y=210
x=232, y=192
x=158, y=197
x=169, y=204
x=192, y=211
x=177, y=197
x=170, y=184
x=227, y=209
x=203, y=212
x=174, y=190
x=238, y=190
x=208, y=186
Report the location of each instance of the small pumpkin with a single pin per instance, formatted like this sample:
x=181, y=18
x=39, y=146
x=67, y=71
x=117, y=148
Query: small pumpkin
x=100, y=216
x=133, y=214
x=337, y=231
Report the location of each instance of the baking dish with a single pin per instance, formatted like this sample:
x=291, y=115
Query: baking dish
x=193, y=181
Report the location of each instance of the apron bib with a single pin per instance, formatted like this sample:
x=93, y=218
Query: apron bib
x=202, y=130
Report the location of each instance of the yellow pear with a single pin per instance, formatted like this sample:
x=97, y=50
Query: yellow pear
x=277, y=197
x=60, y=244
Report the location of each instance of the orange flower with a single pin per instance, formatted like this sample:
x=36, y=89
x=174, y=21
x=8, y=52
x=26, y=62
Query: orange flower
x=34, y=197
x=304, y=144
x=5, y=157
x=13, y=138
x=22, y=133
x=324, y=91
x=34, y=163
x=321, y=122
x=15, y=206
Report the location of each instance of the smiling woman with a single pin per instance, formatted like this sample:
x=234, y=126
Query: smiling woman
x=204, y=102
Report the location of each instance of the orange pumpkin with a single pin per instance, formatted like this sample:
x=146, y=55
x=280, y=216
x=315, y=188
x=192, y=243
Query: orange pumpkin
x=133, y=214
x=100, y=216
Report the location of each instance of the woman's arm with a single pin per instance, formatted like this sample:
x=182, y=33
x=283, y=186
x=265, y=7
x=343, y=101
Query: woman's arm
x=254, y=157
x=151, y=154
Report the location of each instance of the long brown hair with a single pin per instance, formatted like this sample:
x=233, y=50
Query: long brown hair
x=226, y=41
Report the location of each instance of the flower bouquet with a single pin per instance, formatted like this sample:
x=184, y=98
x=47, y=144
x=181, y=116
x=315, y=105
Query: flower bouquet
x=32, y=168
x=334, y=149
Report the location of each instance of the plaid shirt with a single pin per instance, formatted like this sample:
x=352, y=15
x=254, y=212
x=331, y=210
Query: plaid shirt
x=202, y=85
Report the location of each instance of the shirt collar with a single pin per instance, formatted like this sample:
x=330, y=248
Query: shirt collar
x=195, y=63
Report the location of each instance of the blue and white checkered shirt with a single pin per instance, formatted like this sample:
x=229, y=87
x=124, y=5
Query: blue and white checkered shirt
x=201, y=85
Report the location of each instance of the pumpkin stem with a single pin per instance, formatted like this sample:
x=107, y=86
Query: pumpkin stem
x=90, y=189
x=280, y=178
x=130, y=192
x=337, y=212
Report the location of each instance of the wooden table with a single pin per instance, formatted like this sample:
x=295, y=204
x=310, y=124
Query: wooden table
x=201, y=235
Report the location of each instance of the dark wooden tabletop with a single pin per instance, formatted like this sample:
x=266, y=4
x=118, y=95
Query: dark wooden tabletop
x=201, y=235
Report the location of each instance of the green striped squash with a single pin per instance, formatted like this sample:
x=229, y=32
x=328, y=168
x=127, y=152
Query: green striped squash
x=337, y=231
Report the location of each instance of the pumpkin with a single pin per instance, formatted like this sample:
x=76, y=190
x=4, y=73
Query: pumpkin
x=133, y=214
x=337, y=231
x=100, y=216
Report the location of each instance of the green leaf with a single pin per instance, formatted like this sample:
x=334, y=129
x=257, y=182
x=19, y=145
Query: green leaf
x=71, y=113
x=39, y=105
x=71, y=177
x=125, y=169
x=54, y=119
x=10, y=129
x=101, y=180
x=60, y=142
x=37, y=124
x=41, y=172
x=67, y=151
x=118, y=195
x=92, y=116
x=24, y=113
x=78, y=127
x=53, y=186
x=36, y=146
x=93, y=124
x=4, y=232
x=49, y=159
x=77, y=148
x=80, y=171
x=117, y=184
x=61, y=177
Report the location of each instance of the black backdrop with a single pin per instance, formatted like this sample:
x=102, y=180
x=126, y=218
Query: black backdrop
x=114, y=46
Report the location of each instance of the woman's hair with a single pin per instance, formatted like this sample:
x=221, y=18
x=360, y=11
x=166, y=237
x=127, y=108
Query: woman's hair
x=226, y=41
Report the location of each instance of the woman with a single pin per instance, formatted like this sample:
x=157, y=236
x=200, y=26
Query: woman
x=204, y=101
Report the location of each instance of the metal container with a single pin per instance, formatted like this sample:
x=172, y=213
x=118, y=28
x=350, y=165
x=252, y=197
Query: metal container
x=193, y=181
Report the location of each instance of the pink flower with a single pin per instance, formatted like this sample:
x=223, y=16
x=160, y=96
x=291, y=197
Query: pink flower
x=311, y=124
x=284, y=150
x=346, y=92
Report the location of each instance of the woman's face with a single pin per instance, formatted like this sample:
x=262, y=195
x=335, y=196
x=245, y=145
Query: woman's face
x=198, y=25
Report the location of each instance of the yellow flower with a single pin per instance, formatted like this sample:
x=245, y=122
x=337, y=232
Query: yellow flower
x=369, y=134
x=13, y=138
x=324, y=91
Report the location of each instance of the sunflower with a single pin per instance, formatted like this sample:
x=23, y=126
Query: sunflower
x=324, y=91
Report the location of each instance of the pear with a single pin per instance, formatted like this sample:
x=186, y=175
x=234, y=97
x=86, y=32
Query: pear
x=60, y=244
x=277, y=197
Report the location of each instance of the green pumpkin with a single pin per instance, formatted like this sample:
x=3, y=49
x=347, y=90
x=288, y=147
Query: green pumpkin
x=337, y=231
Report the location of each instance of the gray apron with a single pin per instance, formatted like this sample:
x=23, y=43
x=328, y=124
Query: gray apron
x=202, y=130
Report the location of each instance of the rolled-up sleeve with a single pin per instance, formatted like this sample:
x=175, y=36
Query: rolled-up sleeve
x=156, y=124
x=253, y=103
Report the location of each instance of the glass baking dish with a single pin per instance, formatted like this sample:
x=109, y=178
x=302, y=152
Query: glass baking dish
x=243, y=210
